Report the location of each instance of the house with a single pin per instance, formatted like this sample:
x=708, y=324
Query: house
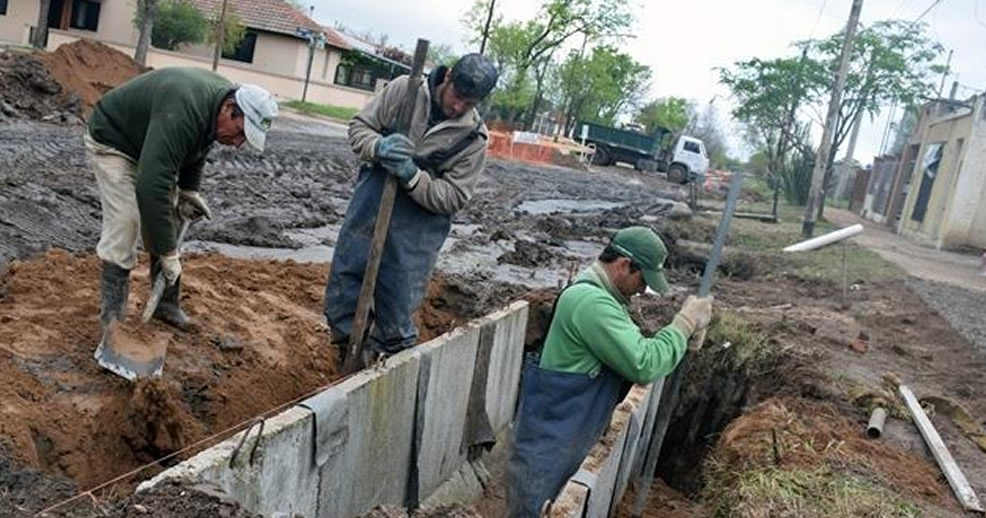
x=275, y=52
x=945, y=171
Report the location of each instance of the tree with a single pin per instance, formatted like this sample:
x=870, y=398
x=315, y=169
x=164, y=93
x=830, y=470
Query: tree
x=672, y=113
x=144, y=19
x=234, y=32
x=40, y=36
x=706, y=126
x=176, y=22
x=442, y=54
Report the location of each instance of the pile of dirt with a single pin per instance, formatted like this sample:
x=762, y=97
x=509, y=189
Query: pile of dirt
x=63, y=85
x=260, y=341
x=29, y=91
x=89, y=69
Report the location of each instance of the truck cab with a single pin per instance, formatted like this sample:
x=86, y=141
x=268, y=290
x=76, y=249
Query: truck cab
x=688, y=161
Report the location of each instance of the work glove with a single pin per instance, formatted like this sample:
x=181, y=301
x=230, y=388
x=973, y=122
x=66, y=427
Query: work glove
x=694, y=316
x=171, y=267
x=195, y=200
x=393, y=148
x=404, y=171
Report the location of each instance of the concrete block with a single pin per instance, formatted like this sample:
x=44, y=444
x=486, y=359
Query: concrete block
x=444, y=383
x=281, y=478
x=505, y=361
x=374, y=469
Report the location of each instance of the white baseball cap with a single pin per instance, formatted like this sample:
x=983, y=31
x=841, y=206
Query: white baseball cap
x=259, y=109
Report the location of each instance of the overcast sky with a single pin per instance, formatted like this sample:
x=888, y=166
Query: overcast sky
x=684, y=41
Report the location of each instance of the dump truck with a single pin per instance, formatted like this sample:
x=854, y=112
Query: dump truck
x=683, y=159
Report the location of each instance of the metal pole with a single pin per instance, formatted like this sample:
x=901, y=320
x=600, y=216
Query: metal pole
x=486, y=29
x=825, y=148
x=672, y=387
x=220, y=36
x=945, y=73
x=308, y=71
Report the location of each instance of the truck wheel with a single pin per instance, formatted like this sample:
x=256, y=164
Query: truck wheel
x=601, y=157
x=677, y=174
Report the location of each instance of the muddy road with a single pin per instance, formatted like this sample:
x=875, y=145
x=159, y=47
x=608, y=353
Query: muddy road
x=289, y=203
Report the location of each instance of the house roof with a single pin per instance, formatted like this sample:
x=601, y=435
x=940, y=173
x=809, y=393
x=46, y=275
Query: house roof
x=360, y=45
x=275, y=16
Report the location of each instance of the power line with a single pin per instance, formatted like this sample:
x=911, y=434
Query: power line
x=817, y=19
x=926, y=11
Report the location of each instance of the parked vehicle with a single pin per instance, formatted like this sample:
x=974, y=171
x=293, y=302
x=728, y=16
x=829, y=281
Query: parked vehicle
x=683, y=159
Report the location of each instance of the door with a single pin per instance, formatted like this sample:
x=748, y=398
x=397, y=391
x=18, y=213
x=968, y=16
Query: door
x=929, y=170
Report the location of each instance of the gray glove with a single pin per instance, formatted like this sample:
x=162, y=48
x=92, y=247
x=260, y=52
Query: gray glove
x=393, y=148
x=195, y=200
x=695, y=315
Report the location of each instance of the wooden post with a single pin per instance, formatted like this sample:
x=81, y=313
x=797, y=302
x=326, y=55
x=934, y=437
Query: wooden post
x=354, y=355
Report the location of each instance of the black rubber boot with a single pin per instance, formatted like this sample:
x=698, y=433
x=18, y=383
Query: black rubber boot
x=115, y=288
x=169, y=309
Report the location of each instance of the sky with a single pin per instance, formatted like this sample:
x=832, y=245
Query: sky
x=685, y=42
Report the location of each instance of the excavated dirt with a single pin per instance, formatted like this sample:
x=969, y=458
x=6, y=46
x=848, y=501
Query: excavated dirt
x=88, y=69
x=63, y=85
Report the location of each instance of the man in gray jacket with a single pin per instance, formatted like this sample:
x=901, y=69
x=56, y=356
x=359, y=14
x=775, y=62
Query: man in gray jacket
x=437, y=165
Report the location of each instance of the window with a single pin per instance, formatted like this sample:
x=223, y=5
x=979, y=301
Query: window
x=244, y=51
x=3, y=6
x=355, y=77
x=85, y=15
x=692, y=147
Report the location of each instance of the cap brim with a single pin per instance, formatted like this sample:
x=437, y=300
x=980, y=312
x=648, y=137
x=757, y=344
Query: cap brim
x=655, y=280
x=255, y=136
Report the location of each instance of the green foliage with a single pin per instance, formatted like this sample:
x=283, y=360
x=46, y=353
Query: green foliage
x=672, y=113
x=442, y=54
x=602, y=86
x=176, y=22
x=235, y=31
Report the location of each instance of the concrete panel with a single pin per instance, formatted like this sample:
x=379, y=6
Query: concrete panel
x=444, y=382
x=604, y=461
x=505, y=361
x=635, y=447
x=281, y=478
x=374, y=468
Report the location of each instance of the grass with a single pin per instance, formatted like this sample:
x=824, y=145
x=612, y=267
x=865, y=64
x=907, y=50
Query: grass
x=822, y=492
x=768, y=239
x=327, y=110
x=747, y=341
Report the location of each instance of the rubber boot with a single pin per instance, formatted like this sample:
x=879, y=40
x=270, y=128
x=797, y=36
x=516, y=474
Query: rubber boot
x=169, y=309
x=115, y=288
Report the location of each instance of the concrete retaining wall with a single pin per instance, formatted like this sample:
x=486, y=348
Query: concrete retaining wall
x=390, y=435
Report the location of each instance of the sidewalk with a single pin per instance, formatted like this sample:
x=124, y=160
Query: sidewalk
x=919, y=261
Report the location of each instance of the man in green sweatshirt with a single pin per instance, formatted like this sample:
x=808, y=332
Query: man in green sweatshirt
x=147, y=141
x=592, y=354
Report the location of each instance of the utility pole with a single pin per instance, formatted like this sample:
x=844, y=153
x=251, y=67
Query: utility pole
x=486, y=29
x=825, y=148
x=220, y=36
x=945, y=73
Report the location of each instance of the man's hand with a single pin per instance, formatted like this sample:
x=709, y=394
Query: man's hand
x=404, y=171
x=197, y=203
x=171, y=267
x=393, y=148
x=695, y=315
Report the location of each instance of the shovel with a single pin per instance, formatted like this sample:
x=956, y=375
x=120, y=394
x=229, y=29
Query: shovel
x=131, y=358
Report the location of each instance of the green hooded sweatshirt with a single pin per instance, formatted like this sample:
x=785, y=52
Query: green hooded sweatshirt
x=592, y=327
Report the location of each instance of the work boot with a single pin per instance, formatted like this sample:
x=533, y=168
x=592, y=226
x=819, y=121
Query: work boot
x=115, y=288
x=169, y=308
x=115, y=291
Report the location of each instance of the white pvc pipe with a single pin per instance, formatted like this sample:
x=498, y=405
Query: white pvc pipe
x=827, y=239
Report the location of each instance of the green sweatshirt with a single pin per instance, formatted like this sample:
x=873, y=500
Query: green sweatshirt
x=165, y=121
x=592, y=327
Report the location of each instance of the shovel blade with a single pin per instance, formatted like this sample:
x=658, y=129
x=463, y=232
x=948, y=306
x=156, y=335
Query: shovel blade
x=129, y=358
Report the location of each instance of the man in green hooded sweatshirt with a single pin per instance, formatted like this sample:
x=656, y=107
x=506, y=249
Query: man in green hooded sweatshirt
x=592, y=354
